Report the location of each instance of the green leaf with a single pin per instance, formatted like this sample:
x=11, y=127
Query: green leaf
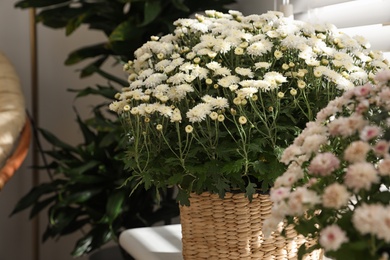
x=92, y=240
x=126, y=31
x=41, y=205
x=93, y=67
x=222, y=186
x=113, y=78
x=38, y=3
x=75, y=23
x=87, y=52
x=60, y=217
x=182, y=197
x=83, y=245
x=250, y=190
x=33, y=195
x=383, y=197
x=57, y=17
x=78, y=197
x=233, y=166
x=114, y=204
x=151, y=11
x=52, y=139
x=301, y=251
x=179, y=4
x=75, y=226
x=107, y=92
x=89, y=136
x=78, y=171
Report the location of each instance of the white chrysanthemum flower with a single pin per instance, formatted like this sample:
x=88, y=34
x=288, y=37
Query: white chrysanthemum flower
x=161, y=47
x=199, y=112
x=262, y=65
x=177, y=79
x=200, y=72
x=160, y=66
x=177, y=62
x=276, y=77
x=221, y=46
x=213, y=65
x=247, y=92
x=259, y=84
x=146, y=73
x=228, y=81
x=292, y=41
x=176, y=116
x=155, y=79
x=216, y=103
x=244, y=72
x=259, y=48
x=164, y=110
x=179, y=92
x=222, y=72
x=117, y=106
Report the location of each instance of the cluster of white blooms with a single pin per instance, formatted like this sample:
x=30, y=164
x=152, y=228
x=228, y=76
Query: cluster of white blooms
x=199, y=52
x=226, y=88
x=347, y=165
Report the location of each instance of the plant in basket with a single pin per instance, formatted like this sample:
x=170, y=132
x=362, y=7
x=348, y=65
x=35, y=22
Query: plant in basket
x=336, y=187
x=211, y=106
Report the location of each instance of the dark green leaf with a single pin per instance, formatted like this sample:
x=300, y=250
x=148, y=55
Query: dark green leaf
x=52, y=139
x=250, y=190
x=182, y=198
x=383, y=197
x=61, y=217
x=125, y=31
x=89, y=136
x=75, y=23
x=38, y=3
x=58, y=17
x=78, y=197
x=75, y=226
x=33, y=195
x=84, y=168
x=93, y=67
x=179, y=4
x=97, y=236
x=41, y=205
x=87, y=52
x=113, y=78
x=107, y=92
x=151, y=11
x=115, y=203
x=83, y=246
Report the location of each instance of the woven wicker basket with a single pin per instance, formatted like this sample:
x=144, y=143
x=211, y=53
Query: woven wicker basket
x=230, y=228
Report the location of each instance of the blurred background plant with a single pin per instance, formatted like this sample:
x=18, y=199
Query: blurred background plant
x=84, y=190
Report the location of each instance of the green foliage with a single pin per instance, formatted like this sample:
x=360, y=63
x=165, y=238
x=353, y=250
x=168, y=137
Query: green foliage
x=85, y=191
x=126, y=23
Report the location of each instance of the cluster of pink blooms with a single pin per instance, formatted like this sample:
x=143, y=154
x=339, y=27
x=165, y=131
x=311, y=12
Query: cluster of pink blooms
x=334, y=163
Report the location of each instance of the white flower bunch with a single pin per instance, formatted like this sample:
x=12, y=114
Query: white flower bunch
x=336, y=187
x=226, y=93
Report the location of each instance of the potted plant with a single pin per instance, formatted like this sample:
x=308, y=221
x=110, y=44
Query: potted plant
x=336, y=189
x=86, y=189
x=211, y=107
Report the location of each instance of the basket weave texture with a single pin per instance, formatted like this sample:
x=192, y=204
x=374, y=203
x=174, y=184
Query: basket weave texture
x=230, y=228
